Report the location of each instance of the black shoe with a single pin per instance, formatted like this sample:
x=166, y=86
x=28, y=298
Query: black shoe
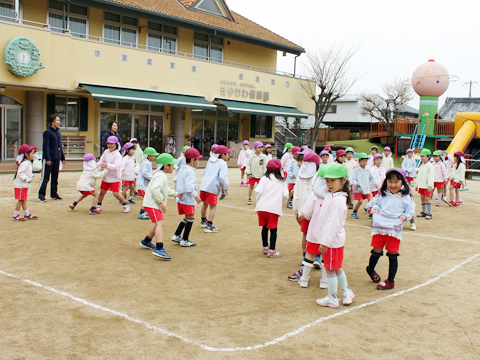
x=56, y=198
x=42, y=199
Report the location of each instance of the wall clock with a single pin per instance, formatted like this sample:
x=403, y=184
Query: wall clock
x=22, y=57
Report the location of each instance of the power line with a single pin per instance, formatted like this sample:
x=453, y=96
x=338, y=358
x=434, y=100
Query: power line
x=470, y=87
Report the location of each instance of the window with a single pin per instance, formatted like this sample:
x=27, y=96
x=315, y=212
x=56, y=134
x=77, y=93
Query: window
x=76, y=17
x=7, y=11
x=120, y=29
x=68, y=110
x=332, y=109
x=261, y=126
x=208, y=48
x=212, y=7
x=161, y=38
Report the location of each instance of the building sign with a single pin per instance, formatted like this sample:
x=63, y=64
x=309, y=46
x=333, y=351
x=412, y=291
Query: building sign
x=242, y=90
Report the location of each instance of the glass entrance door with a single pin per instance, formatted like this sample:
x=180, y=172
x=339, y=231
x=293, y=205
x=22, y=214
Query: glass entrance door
x=11, y=132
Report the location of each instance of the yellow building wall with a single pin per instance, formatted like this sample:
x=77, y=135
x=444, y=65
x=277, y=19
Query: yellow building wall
x=95, y=20
x=35, y=10
x=244, y=53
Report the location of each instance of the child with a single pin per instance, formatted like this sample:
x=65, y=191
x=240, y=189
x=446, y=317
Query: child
x=145, y=173
x=271, y=194
x=187, y=196
x=292, y=171
x=215, y=178
x=448, y=161
x=214, y=157
x=387, y=162
x=286, y=157
x=379, y=172
x=373, y=151
x=86, y=183
x=268, y=152
x=409, y=164
x=328, y=148
x=324, y=156
x=440, y=174
x=111, y=160
x=331, y=237
x=23, y=180
x=243, y=157
x=424, y=183
x=138, y=159
x=155, y=202
x=181, y=159
x=457, y=178
x=390, y=209
x=340, y=156
x=129, y=170
x=362, y=179
x=256, y=167
x=350, y=163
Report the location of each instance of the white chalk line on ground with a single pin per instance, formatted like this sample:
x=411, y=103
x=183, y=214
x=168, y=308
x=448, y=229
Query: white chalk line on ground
x=252, y=347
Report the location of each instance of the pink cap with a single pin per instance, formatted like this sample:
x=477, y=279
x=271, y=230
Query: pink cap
x=192, y=153
x=89, y=157
x=213, y=147
x=221, y=149
x=387, y=148
x=295, y=150
x=376, y=156
x=340, y=152
x=324, y=152
x=274, y=165
x=257, y=144
x=459, y=153
x=268, y=146
x=112, y=140
x=327, y=147
x=25, y=148
x=409, y=150
x=311, y=157
x=127, y=145
x=246, y=142
x=305, y=151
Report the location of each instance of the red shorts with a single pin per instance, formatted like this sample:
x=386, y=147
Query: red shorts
x=114, y=187
x=409, y=179
x=141, y=193
x=21, y=194
x=127, y=182
x=360, y=196
x=243, y=168
x=439, y=184
x=389, y=242
x=154, y=214
x=304, y=225
x=425, y=192
x=285, y=174
x=455, y=184
x=87, y=193
x=375, y=192
x=333, y=258
x=185, y=209
x=208, y=198
x=269, y=219
x=290, y=186
x=253, y=181
x=312, y=248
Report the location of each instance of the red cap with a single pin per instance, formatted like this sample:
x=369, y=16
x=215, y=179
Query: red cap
x=295, y=150
x=221, y=149
x=459, y=153
x=25, y=148
x=311, y=157
x=340, y=152
x=274, y=165
x=192, y=153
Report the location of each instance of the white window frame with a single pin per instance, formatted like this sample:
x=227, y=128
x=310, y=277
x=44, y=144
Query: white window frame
x=209, y=49
x=64, y=126
x=20, y=9
x=121, y=25
x=162, y=34
x=69, y=14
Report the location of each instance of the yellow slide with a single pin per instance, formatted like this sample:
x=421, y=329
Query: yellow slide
x=467, y=126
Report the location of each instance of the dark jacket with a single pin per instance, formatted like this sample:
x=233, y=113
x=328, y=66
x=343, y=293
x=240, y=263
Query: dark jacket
x=105, y=137
x=52, y=145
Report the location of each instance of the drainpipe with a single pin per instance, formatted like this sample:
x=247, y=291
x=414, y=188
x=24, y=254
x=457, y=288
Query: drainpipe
x=65, y=15
x=17, y=10
x=295, y=65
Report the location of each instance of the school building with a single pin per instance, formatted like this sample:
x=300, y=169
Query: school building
x=191, y=67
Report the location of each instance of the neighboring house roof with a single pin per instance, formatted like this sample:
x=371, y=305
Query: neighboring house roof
x=410, y=110
x=454, y=105
x=241, y=26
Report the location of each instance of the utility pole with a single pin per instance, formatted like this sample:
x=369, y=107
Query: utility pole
x=470, y=87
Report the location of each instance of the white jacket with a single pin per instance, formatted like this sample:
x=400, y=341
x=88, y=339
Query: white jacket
x=332, y=220
x=285, y=159
x=271, y=195
x=243, y=157
x=379, y=174
x=129, y=168
x=350, y=165
x=440, y=172
x=24, y=175
x=138, y=155
x=387, y=162
x=458, y=173
x=88, y=178
x=311, y=211
x=113, y=160
x=301, y=191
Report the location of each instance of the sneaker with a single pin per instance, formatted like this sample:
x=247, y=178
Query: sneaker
x=323, y=284
x=135, y=194
x=317, y=263
x=328, y=301
x=265, y=250
x=241, y=183
x=203, y=224
x=223, y=196
x=187, y=243
x=249, y=202
x=355, y=216
x=422, y=214
x=456, y=203
x=99, y=208
x=42, y=199
x=386, y=285
x=143, y=216
x=211, y=229
x=273, y=254
x=161, y=254
x=303, y=282
x=176, y=239
x=147, y=245
x=413, y=227
x=428, y=217
x=370, y=216
x=71, y=206
x=56, y=198
x=449, y=202
x=350, y=207
x=348, y=297
x=295, y=276
x=438, y=203
x=289, y=205
x=131, y=201
x=374, y=276
x=18, y=218
x=31, y=217
x=94, y=211
x=126, y=208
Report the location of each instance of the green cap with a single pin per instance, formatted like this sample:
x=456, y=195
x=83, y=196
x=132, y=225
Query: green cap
x=288, y=145
x=374, y=147
x=185, y=148
x=166, y=159
x=362, y=156
x=437, y=153
x=321, y=171
x=349, y=149
x=335, y=171
x=150, y=151
x=425, y=152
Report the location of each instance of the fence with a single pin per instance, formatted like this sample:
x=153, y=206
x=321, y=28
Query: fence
x=441, y=127
x=378, y=130
x=333, y=135
x=364, y=134
x=405, y=126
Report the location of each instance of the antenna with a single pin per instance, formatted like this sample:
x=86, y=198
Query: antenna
x=470, y=87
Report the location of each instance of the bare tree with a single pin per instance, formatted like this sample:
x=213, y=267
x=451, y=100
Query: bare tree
x=386, y=109
x=332, y=79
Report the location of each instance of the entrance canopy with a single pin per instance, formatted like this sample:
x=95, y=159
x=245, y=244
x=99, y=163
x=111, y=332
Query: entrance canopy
x=244, y=107
x=140, y=96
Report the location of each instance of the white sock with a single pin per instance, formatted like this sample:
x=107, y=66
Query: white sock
x=332, y=285
x=306, y=267
x=16, y=213
x=342, y=279
x=26, y=212
x=324, y=272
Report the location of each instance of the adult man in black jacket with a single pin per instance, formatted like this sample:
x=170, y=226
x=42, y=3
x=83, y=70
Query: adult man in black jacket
x=52, y=155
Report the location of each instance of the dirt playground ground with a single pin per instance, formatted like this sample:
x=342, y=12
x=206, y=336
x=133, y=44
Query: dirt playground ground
x=75, y=286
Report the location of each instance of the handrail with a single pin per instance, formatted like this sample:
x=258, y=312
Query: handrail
x=283, y=126
x=93, y=38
